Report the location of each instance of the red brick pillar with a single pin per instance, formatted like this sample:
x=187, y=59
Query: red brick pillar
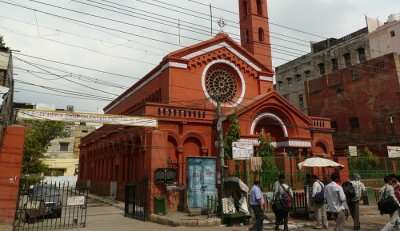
x=345, y=172
x=156, y=156
x=11, y=154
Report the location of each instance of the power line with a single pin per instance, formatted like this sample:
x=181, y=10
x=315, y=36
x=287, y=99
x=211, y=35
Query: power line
x=64, y=96
x=272, y=23
x=64, y=78
x=87, y=23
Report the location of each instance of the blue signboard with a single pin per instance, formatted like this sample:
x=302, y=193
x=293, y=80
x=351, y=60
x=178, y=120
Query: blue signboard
x=201, y=181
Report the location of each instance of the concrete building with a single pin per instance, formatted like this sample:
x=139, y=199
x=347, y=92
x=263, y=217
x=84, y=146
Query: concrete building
x=327, y=56
x=385, y=39
x=62, y=156
x=181, y=93
x=363, y=103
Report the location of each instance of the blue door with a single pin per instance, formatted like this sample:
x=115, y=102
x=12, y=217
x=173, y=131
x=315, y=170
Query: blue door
x=201, y=181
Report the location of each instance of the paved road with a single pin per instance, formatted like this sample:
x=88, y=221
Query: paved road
x=107, y=218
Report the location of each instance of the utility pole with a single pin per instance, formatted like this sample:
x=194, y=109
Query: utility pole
x=211, y=20
x=220, y=148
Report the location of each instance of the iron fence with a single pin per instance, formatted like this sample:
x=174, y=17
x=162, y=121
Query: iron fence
x=136, y=196
x=48, y=206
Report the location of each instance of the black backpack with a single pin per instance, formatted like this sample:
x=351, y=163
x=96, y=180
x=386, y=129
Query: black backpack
x=349, y=191
x=387, y=204
x=319, y=198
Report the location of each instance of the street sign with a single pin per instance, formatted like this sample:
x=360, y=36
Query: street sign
x=242, y=150
x=353, y=150
x=393, y=151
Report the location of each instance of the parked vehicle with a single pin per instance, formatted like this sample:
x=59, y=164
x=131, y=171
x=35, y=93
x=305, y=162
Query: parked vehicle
x=43, y=201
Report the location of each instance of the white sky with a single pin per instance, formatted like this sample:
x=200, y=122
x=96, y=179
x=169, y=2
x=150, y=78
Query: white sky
x=58, y=39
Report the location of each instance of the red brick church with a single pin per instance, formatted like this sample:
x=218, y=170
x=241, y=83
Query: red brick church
x=179, y=94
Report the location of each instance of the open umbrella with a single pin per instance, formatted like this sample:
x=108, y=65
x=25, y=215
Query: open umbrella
x=319, y=162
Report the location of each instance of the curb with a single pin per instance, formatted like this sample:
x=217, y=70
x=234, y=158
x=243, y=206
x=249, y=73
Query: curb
x=163, y=220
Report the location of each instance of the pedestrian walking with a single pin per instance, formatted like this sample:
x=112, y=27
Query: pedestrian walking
x=336, y=201
x=281, y=202
x=318, y=203
x=389, y=202
x=354, y=203
x=256, y=203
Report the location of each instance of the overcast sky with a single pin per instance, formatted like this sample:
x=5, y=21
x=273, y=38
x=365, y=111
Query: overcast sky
x=135, y=42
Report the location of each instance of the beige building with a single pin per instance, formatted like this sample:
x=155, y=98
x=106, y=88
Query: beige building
x=62, y=156
x=325, y=57
x=385, y=38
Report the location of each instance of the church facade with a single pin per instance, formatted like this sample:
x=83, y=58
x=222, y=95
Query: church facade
x=181, y=94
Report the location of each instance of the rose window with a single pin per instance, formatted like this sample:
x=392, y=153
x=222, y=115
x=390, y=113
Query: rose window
x=221, y=85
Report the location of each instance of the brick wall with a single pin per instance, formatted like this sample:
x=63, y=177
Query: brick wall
x=368, y=92
x=10, y=170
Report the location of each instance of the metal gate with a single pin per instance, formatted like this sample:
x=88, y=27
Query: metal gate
x=136, y=196
x=50, y=206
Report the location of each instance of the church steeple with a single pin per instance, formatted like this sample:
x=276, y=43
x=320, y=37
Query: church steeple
x=254, y=30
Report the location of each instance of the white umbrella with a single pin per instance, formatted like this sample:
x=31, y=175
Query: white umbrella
x=319, y=162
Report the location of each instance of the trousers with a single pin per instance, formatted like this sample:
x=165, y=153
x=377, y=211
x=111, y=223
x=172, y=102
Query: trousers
x=259, y=214
x=354, y=208
x=320, y=215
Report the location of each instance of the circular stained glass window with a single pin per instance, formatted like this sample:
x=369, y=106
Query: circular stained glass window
x=221, y=85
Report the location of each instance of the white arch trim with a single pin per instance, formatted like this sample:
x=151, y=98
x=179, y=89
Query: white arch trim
x=268, y=115
x=243, y=82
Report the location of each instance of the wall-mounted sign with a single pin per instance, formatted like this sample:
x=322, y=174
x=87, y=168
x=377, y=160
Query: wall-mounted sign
x=165, y=176
x=242, y=150
x=353, y=150
x=393, y=151
x=75, y=201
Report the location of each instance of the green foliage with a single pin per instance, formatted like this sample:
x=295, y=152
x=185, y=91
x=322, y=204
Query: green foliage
x=269, y=169
x=365, y=161
x=37, y=139
x=232, y=135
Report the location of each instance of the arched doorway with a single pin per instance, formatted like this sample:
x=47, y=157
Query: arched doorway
x=271, y=124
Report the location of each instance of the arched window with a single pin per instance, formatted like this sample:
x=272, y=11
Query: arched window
x=247, y=36
x=259, y=7
x=260, y=34
x=245, y=8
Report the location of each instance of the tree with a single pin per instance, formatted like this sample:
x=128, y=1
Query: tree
x=232, y=135
x=2, y=44
x=365, y=163
x=266, y=151
x=37, y=139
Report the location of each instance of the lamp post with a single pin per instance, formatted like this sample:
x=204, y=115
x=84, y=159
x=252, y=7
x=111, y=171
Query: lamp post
x=220, y=149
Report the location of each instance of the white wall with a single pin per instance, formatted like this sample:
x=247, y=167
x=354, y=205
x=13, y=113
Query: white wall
x=381, y=42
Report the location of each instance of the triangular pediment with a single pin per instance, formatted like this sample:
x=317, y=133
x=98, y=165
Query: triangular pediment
x=222, y=40
x=272, y=98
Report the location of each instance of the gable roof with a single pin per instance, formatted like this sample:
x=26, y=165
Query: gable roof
x=219, y=41
x=180, y=58
x=260, y=99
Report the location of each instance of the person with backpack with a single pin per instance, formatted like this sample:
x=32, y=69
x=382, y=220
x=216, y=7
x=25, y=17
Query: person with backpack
x=353, y=199
x=388, y=202
x=281, y=202
x=336, y=201
x=318, y=201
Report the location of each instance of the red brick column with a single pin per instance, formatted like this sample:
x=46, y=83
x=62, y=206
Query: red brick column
x=345, y=172
x=10, y=171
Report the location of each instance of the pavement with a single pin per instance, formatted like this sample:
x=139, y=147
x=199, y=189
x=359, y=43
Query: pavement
x=104, y=217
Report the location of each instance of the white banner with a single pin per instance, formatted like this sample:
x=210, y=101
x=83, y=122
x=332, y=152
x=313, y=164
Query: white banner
x=67, y=116
x=242, y=150
x=393, y=151
x=353, y=150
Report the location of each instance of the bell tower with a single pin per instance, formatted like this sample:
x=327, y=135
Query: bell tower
x=254, y=30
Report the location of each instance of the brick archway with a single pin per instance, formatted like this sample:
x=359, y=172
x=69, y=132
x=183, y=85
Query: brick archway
x=271, y=116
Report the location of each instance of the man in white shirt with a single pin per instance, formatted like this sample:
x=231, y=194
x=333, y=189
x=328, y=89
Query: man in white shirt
x=318, y=202
x=354, y=205
x=336, y=200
